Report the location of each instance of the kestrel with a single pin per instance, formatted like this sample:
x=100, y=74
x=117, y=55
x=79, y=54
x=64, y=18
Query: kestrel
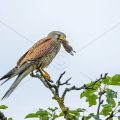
x=41, y=53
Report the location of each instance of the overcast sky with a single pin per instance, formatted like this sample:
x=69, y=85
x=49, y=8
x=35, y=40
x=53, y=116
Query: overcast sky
x=93, y=29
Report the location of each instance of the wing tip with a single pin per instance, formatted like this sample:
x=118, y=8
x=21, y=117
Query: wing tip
x=2, y=77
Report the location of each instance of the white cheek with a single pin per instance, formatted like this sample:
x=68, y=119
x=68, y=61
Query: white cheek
x=57, y=36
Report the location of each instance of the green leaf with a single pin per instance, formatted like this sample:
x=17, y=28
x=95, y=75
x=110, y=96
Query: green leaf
x=55, y=116
x=92, y=99
x=118, y=117
x=112, y=102
x=90, y=116
x=119, y=103
x=119, y=110
x=106, y=80
x=80, y=110
x=10, y=119
x=44, y=118
x=74, y=112
x=93, y=116
x=86, y=117
x=42, y=112
x=52, y=109
x=76, y=117
x=61, y=114
x=3, y=107
x=115, y=80
x=107, y=109
x=96, y=85
x=32, y=115
x=110, y=94
x=88, y=92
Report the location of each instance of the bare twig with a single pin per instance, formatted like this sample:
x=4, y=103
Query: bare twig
x=58, y=83
x=101, y=78
x=84, y=86
x=60, y=77
x=2, y=116
x=66, y=82
x=100, y=102
x=110, y=116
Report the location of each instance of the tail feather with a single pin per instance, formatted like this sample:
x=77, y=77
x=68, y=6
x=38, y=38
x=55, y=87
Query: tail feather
x=15, y=71
x=4, y=81
x=8, y=75
x=16, y=82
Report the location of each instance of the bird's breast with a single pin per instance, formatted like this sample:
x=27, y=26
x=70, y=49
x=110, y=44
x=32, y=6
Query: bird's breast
x=47, y=59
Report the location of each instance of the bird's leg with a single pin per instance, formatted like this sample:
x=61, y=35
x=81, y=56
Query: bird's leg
x=45, y=74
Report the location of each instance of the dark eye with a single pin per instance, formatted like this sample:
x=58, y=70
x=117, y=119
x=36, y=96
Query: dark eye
x=59, y=36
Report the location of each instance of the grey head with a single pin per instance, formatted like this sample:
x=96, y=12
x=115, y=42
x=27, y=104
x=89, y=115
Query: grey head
x=57, y=35
x=61, y=37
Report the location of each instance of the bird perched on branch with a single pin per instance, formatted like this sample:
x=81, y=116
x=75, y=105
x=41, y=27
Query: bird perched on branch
x=41, y=54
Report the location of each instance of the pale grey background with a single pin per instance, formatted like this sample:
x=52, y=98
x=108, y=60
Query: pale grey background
x=83, y=21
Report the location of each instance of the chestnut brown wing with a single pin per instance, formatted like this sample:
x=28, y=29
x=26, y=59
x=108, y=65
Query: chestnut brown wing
x=38, y=50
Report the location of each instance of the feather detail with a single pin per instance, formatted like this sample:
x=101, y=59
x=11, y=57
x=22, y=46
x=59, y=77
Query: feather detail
x=15, y=71
x=17, y=81
x=9, y=74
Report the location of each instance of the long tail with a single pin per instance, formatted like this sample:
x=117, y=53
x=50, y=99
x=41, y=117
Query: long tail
x=9, y=74
x=17, y=81
x=15, y=71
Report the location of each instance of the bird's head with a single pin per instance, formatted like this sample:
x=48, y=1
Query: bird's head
x=61, y=37
x=57, y=35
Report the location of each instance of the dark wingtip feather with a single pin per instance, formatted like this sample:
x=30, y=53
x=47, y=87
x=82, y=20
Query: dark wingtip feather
x=17, y=81
x=4, y=82
x=4, y=77
x=9, y=74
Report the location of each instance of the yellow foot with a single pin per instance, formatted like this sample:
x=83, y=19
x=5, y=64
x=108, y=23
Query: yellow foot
x=46, y=75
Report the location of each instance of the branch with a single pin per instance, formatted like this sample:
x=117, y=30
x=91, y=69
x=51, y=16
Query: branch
x=60, y=77
x=110, y=116
x=100, y=102
x=101, y=78
x=58, y=83
x=44, y=81
x=66, y=82
x=84, y=86
x=54, y=88
x=2, y=117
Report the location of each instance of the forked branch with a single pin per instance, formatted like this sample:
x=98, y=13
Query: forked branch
x=54, y=88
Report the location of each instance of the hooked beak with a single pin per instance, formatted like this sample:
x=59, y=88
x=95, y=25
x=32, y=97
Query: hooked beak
x=62, y=38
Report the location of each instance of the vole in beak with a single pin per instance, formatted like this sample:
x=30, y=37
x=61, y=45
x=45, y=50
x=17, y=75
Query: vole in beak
x=67, y=47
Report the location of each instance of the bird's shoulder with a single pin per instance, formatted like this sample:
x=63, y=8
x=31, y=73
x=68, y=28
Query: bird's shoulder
x=36, y=50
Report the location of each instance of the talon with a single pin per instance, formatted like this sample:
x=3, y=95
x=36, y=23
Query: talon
x=46, y=75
